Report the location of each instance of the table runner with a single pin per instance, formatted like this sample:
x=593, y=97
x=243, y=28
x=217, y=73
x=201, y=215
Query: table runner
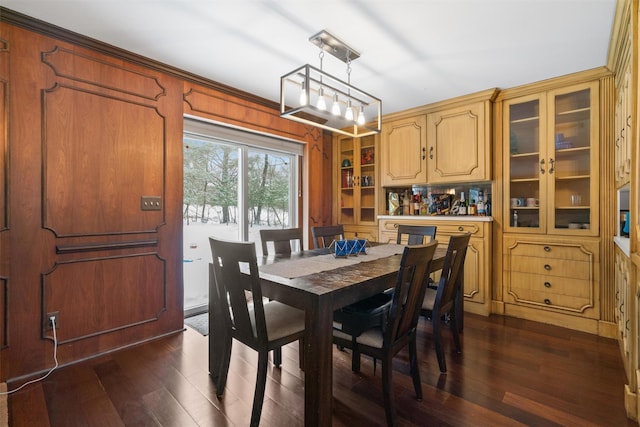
x=320, y=263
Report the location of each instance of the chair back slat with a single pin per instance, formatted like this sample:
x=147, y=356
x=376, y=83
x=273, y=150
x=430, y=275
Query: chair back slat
x=281, y=239
x=238, y=284
x=453, y=265
x=324, y=235
x=409, y=292
x=416, y=233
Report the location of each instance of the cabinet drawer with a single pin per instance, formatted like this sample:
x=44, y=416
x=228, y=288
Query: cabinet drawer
x=552, y=267
x=555, y=251
x=444, y=227
x=522, y=283
x=541, y=298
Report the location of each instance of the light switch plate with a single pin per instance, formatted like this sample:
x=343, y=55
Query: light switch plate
x=150, y=203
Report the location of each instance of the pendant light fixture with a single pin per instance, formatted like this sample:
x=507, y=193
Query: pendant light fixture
x=362, y=112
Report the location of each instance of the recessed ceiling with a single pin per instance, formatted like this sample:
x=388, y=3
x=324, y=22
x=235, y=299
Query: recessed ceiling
x=413, y=52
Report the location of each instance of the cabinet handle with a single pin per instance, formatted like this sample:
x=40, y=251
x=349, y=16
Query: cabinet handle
x=424, y=153
x=551, y=162
x=356, y=181
x=461, y=228
x=547, y=284
x=547, y=267
x=626, y=325
x=547, y=301
x=431, y=152
x=547, y=249
x=542, y=166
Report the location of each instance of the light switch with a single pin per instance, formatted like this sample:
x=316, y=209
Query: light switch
x=150, y=203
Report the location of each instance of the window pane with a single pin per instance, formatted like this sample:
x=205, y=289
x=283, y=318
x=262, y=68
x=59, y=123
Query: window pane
x=231, y=198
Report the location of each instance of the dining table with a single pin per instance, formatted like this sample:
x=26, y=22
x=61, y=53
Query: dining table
x=319, y=283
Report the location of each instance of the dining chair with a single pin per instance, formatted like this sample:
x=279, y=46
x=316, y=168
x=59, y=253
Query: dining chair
x=399, y=330
x=263, y=326
x=415, y=233
x=324, y=235
x=281, y=239
x=440, y=302
x=372, y=311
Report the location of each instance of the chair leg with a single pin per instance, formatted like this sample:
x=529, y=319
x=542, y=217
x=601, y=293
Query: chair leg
x=261, y=382
x=355, y=357
x=455, y=330
x=437, y=339
x=277, y=356
x=387, y=385
x=414, y=368
x=301, y=354
x=225, y=359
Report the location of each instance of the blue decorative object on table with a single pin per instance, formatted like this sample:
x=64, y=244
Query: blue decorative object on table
x=344, y=248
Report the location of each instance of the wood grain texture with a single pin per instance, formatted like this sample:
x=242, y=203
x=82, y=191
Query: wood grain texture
x=511, y=372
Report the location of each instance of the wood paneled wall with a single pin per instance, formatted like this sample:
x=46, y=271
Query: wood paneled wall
x=86, y=132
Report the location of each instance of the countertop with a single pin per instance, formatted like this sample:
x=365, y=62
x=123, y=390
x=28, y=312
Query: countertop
x=623, y=243
x=438, y=217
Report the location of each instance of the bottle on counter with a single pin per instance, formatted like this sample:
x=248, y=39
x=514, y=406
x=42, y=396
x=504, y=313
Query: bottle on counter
x=462, y=209
x=416, y=203
x=480, y=206
x=487, y=204
x=406, y=204
x=473, y=208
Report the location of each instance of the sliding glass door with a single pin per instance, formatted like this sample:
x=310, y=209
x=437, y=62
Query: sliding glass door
x=232, y=189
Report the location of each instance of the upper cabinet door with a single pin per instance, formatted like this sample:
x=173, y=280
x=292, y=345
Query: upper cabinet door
x=458, y=144
x=403, y=152
x=551, y=162
x=573, y=159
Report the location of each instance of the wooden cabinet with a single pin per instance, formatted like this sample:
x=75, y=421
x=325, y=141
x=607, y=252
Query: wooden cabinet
x=551, y=162
x=355, y=161
x=622, y=128
x=624, y=312
x=403, y=151
x=552, y=276
x=477, y=266
x=459, y=143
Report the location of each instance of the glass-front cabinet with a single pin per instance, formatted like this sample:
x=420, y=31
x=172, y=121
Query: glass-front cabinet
x=356, y=162
x=551, y=162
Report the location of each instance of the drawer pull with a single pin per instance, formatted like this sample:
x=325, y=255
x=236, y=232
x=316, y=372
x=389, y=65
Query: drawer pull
x=547, y=249
x=547, y=267
x=547, y=301
x=461, y=228
x=547, y=284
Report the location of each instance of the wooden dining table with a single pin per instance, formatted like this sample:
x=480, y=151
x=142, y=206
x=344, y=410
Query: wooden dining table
x=319, y=294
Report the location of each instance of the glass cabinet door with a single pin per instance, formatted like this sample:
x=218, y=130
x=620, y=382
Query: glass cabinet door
x=365, y=180
x=524, y=165
x=572, y=161
x=346, y=168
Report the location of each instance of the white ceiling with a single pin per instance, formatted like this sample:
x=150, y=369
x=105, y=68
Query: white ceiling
x=413, y=52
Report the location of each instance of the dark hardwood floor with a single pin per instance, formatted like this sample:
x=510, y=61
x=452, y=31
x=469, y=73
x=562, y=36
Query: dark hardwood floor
x=511, y=372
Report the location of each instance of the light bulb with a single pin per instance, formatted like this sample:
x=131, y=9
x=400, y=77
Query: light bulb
x=348, y=114
x=361, y=116
x=303, y=94
x=335, y=108
x=322, y=104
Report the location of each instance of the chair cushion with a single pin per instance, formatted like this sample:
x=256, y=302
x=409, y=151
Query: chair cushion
x=429, y=299
x=282, y=320
x=371, y=337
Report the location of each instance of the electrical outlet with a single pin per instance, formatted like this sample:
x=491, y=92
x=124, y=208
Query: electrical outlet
x=48, y=324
